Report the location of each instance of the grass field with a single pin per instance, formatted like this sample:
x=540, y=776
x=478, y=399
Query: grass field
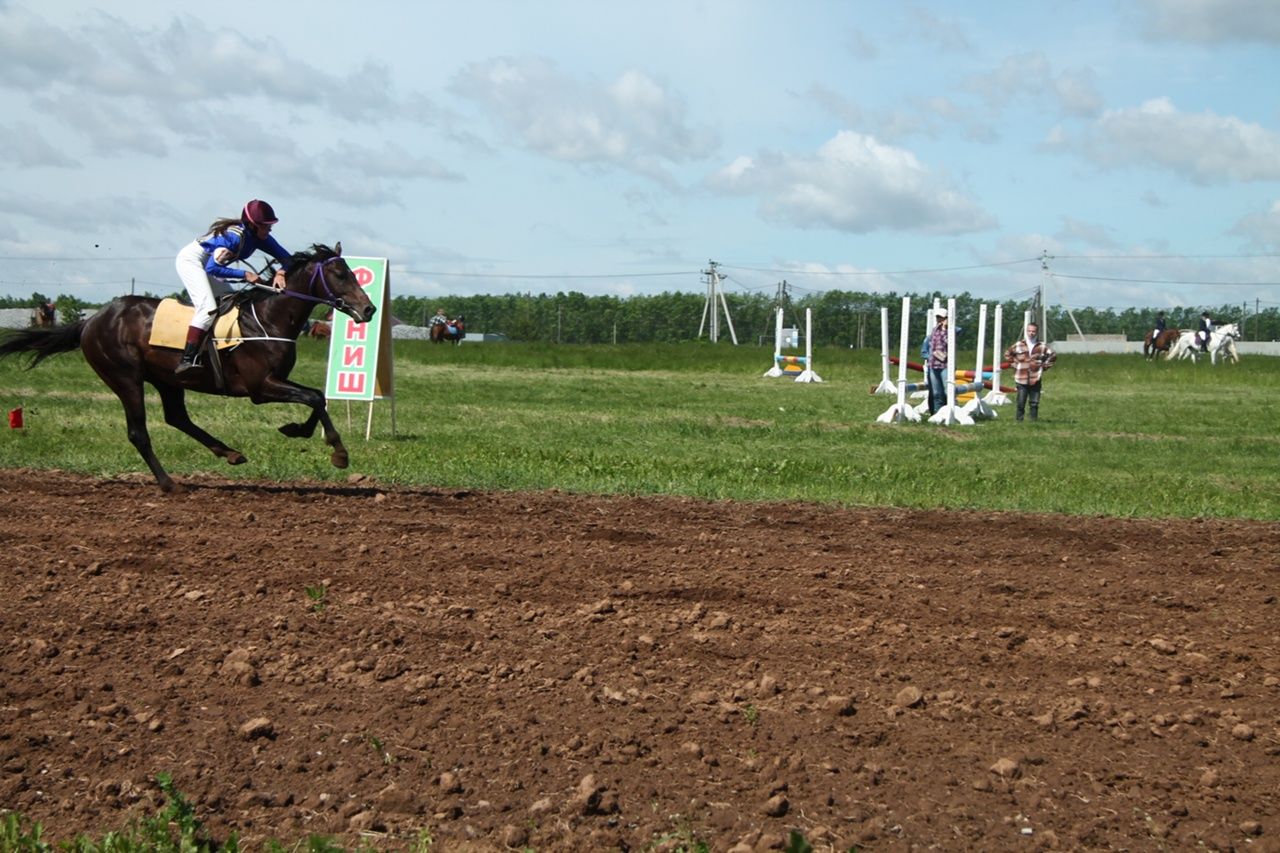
x=1117, y=436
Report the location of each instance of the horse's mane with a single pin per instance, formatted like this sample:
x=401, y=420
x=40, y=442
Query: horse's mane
x=318, y=252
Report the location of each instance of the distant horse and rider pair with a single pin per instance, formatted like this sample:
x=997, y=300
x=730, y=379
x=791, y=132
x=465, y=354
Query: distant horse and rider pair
x=44, y=315
x=1176, y=344
x=443, y=329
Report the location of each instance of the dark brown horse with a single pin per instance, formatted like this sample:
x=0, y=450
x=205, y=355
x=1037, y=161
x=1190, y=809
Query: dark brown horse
x=453, y=331
x=115, y=343
x=1152, y=348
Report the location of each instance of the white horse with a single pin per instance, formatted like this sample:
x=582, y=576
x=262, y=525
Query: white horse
x=1221, y=340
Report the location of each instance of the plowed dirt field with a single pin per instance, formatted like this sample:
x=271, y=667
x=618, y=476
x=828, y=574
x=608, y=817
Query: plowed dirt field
x=563, y=672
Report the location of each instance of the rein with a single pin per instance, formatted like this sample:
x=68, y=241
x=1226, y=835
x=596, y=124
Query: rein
x=317, y=272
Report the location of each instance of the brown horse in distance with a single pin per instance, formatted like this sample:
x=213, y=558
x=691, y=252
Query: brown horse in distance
x=453, y=331
x=44, y=315
x=1162, y=343
x=115, y=343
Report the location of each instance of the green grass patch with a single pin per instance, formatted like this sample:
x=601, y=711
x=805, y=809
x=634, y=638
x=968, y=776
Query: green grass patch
x=1117, y=436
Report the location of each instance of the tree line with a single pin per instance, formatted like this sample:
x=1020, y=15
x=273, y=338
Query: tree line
x=840, y=318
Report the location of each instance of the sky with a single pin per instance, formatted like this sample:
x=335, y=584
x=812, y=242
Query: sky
x=1116, y=153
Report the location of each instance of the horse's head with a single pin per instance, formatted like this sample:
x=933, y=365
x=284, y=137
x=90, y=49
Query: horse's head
x=324, y=276
x=1231, y=330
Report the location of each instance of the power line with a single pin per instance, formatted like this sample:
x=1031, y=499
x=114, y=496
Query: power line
x=1159, y=257
x=557, y=276
x=1168, y=281
x=884, y=272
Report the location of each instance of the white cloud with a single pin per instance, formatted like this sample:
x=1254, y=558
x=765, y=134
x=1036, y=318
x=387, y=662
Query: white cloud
x=28, y=148
x=1031, y=75
x=1213, y=21
x=946, y=33
x=1203, y=147
x=632, y=123
x=1261, y=229
x=1090, y=234
x=853, y=183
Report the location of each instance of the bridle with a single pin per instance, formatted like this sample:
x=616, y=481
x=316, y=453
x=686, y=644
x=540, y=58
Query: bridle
x=317, y=273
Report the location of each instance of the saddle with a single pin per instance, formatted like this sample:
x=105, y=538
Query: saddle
x=169, y=328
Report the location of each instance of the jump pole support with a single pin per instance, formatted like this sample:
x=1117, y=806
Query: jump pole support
x=776, y=370
x=900, y=411
x=807, y=375
x=996, y=397
x=951, y=414
x=976, y=407
x=886, y=385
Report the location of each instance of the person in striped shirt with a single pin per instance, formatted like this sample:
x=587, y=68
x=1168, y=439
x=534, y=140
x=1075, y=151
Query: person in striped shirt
x=1031, y=357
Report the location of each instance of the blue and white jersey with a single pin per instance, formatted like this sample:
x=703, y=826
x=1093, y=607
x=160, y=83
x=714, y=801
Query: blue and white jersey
x=237, y=243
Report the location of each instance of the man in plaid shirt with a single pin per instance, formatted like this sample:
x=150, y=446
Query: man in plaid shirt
x=1031, y=358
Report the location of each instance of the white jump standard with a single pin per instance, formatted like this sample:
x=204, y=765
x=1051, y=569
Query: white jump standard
x=900, y=411
x=886, y=385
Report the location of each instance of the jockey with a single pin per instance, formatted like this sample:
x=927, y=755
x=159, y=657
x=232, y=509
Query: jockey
x=1206, y=330
x=1158, y=330
x=204, y=265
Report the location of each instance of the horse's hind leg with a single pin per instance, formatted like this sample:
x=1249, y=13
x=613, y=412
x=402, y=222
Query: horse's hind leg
x=175, y=415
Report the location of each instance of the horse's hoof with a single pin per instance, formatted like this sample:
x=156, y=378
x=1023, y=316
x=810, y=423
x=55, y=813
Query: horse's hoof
x=339, y=459
x=235, y=457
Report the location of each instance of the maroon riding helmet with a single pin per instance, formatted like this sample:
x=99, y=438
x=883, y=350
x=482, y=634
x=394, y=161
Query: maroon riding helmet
x=258, y=212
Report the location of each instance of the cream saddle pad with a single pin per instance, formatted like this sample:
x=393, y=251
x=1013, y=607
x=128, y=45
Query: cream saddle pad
x=169, y=328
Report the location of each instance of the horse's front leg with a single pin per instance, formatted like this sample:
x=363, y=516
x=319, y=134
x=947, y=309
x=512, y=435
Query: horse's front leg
x=174, y=399
x=284, y=391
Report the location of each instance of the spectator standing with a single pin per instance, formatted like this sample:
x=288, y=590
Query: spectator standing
x=1030, y=357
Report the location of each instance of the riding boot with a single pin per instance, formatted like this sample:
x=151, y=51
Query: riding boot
x=190, y=359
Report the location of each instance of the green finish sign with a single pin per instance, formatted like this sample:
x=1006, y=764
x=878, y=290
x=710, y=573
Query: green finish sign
x=359, y=364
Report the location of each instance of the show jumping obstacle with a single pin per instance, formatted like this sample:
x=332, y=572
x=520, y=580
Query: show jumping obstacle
x=801, y=366
x=977, y=408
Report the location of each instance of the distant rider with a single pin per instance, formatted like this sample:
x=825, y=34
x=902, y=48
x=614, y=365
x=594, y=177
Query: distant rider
x=1206, y=330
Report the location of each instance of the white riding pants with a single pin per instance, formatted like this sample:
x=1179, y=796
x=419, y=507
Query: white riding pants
x=203, y=288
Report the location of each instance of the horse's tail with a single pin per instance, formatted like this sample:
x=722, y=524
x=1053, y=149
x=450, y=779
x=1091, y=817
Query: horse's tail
x=41, y=343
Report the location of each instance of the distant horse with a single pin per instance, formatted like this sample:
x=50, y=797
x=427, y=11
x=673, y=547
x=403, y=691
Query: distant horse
x=320, y=329
x=453, y=331
x=44, y=315
x=1221, y=340
x=115, y=343
x=1152, y=348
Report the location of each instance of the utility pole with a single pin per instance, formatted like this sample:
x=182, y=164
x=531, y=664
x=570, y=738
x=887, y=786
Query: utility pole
x=1044, y=276
x=711, y=308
